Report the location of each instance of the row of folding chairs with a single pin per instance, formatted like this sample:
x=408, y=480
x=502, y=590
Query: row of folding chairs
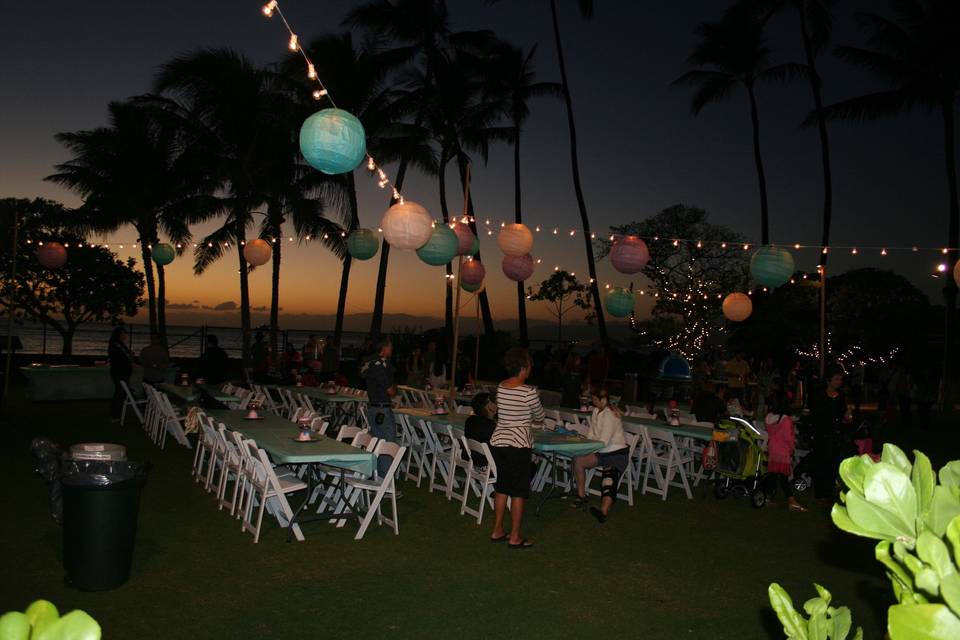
x=161, y=418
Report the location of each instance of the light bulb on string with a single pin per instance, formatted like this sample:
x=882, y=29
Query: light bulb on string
x=883, y=251
x=311, y=71
x=269, y=8
x=293, y=45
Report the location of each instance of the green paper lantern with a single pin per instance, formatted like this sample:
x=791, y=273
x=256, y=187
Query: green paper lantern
x=333, y=141
x=619, y=302
x=441, y=247
x=472, y=288
x=162, y=254
x=362, y=244
x=475, y=247
x=772, y=266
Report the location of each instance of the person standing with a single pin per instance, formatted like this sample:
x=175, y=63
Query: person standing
x=738, y=372
x=832, y=437
x=781, y=444
x=571, y=382
x=331, y=359
x=214, y=363
x=378, y=374
x=518, y=409
x=155, y=360
x=121, y=366
x=415, y=370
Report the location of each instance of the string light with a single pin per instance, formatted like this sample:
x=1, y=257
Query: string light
x=293, y=45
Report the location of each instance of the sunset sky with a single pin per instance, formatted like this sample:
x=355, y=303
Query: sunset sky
x=641, y=151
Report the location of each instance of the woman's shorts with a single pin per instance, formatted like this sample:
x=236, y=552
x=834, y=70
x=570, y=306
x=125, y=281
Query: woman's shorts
x=614, y=459
x=514, y=470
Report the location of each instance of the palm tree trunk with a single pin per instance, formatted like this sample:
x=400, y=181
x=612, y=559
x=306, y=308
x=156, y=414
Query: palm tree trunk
x=518, y=218
x=484, y=302
x=347, y=262
x=241, y=234
x=276, y=217
x=764, y=213
x=584, y=220
x=448, y=281
x=816, y=85
x=950, y=289
x=161, y=304
x=151, y=284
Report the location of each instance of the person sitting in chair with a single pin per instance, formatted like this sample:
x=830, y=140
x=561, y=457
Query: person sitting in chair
x=605, y=425
x=480, y=425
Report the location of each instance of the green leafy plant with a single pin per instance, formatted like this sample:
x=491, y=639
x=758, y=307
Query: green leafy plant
x=915, y=515
x=42, y=621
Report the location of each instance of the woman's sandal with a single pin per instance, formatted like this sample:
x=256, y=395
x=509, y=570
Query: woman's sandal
x=579, y=502
x=523, y=544
x=502, y=538
x=796, y=506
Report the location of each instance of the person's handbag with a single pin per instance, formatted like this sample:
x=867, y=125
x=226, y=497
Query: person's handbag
x=709, y=458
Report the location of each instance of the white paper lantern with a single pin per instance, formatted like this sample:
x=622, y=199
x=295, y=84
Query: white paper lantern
x=257, y=252
x=407, y=226
x=737, y=307
x=515, y=240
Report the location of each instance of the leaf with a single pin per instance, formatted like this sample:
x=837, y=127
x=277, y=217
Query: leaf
x=841, y=623
x=852, y=471
x=793, y=623
x=859, y=634
x=934, y=552
x=817, y=626
x=950, y=591
x=815, y=607
x=823, y=593
x=889, y=489
x=928, y=581
x=841, y=518
x=923, y=480
x=922, y=622
x=14, y=626
x=42, y=613
x=950, y=474
x=76, y=625
x=873, y=521
x=894, y=455
x=943, y=509
x=953, y=535
x=901, y=580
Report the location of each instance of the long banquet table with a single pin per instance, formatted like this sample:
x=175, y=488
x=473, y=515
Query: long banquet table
x=71, y=382
x=192, y=394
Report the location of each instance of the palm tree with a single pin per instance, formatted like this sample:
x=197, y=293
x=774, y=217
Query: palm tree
x=135, y=171
x=235, y=113
x=513, y=76
x=420, y=34
x=816, y=26
x=586, y=10
x=735, y=53
x=915, y=56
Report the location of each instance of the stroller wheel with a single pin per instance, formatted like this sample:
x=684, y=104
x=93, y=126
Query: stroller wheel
x=721, y=489
x=801, y=484
x=758, y=498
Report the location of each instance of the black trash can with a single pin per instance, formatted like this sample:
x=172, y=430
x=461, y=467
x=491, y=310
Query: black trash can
x=100, y=503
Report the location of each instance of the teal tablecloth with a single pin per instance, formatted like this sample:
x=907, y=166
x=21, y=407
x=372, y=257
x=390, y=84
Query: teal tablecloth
x=192, y=394
x=317, y=393
x=68, y=382
x=275, y=435
x=684, y=430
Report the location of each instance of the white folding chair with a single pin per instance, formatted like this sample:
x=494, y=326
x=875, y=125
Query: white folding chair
x=266, y=491
x=131, y=402
x=371, y=492
x=435, y=457
x=459, y=459
x=664, y=463
x=626, y=478
x=216, y=453
x=319, y=425
x=242, y=400
x=480, y=479
x=348, y=433
x=170, y=422
x=234, y=466
x=412, y=440
x=364, y=440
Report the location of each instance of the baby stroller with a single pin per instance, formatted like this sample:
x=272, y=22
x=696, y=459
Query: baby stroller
x=742, y=462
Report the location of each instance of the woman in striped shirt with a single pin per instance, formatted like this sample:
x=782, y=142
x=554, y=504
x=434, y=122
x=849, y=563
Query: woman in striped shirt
x=518, y=409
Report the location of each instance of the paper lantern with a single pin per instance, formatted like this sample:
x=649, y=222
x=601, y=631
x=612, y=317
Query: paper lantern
x=619, y=302
x=517, y=268
x=362, y=244
x=472, y=272
x=515, y=240
x=629, y=254
x=257, y=252
x=52, y=255
x=772, y=266
x=472, y=288
x=333, y=141
x=956, y=273
x=475, y=247
x=466, y=238
x=162, y=254
x=737, y=307
x=407, y=226
x=441, y=248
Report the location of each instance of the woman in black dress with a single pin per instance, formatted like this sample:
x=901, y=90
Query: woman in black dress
x=121, y=366
x=832, y=435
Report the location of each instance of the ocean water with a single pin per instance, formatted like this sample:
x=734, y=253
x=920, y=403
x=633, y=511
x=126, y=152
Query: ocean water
x=185, y=341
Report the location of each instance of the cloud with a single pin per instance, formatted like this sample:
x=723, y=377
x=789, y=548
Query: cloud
x=181, y=305
x=264, y=308
x=229, y=305
x=196, y=302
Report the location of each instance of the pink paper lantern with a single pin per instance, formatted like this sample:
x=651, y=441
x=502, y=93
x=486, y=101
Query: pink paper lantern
x=472, y=272
x=465, y=238
x=515, y=240
x=517, y=268
x=737, y=307
x=257, y=252
x=629, y=254
x=52, y=255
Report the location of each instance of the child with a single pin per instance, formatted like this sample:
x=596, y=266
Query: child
x=781, y=442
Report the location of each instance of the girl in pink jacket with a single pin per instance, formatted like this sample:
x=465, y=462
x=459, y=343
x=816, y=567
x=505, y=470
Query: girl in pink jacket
x=781, y=442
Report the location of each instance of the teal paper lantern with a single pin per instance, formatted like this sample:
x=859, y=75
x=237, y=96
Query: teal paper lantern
x=162, y=254
x=619, y=302
x=772, y=266
x=333, y=141
x=441, y=247
x=362, y=244
x=475, y=247
x=472, y=288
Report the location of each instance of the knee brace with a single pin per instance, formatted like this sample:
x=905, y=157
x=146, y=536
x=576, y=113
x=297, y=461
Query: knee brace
x=609, y=480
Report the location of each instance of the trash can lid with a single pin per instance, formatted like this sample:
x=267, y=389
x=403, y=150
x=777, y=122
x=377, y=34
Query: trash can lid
x=98, y=451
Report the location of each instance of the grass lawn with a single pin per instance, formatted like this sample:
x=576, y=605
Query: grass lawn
x=680, y=568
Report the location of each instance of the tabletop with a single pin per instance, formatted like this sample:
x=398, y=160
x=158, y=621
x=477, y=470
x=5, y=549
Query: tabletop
x=191, y=393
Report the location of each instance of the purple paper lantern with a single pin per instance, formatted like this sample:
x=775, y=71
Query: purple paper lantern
x=465, y=238
x=517, y=268
x=52, y=255
x=629, y=254
x=472, y=272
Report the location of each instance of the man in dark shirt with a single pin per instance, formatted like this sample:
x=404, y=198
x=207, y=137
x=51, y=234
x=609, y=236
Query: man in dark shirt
x=378, y=374
x=214, y=363
x=709, y=405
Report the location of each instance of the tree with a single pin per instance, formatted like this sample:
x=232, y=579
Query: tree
x=135, y=171
x=917, y=56
x=688, y=279
x=512, y=75
x=564, y=293
x=586, y=10
x=735, y=53
x=76, y=293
